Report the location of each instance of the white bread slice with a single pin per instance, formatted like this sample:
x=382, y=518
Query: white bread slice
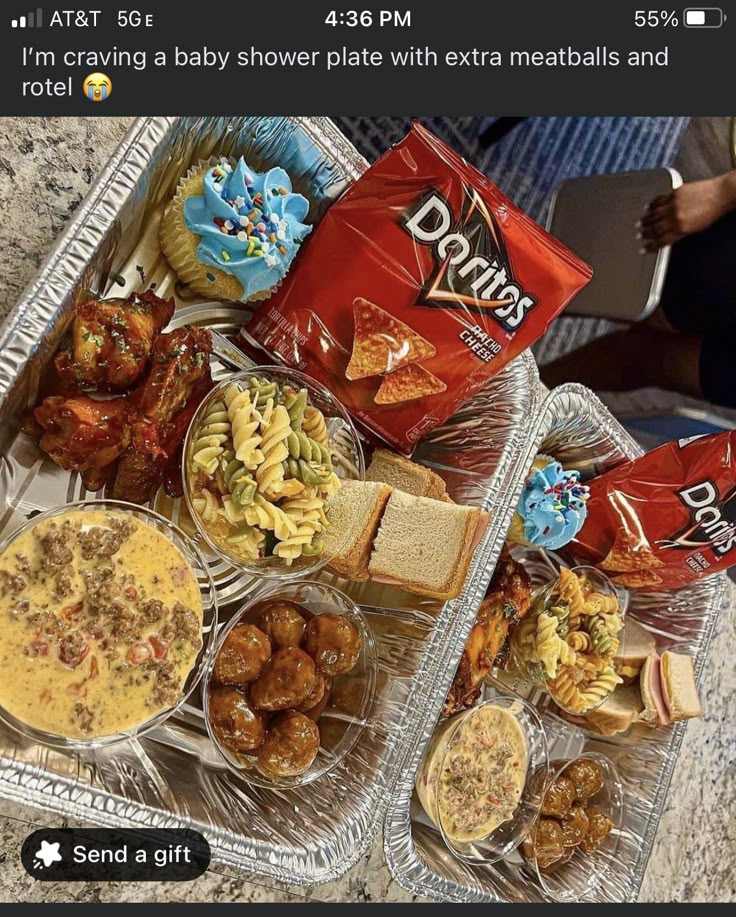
x=424, y=545
x=405, y=475
x=678, y=687
x=636, y=643
x=354, y=513
x=617, y=712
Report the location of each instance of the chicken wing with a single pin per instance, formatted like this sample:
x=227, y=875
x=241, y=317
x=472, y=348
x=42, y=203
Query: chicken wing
x=506, y=602
x=111, y=341
x=178, y=381
x=85, y=435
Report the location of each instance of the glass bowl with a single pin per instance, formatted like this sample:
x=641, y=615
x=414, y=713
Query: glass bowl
x=209, y=618
x=526, y=661
x=347, y=454
x=575, y=877
x=434, y=777
x=348, y=709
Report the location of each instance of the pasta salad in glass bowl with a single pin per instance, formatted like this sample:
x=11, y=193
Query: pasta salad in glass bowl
x=569, y=638
x=264, y=454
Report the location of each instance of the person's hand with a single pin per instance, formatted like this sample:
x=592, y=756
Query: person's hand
x=690, y=208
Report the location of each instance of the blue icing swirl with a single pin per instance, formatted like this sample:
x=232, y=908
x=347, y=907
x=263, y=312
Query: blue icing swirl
x=552, y=506
x=257, y=249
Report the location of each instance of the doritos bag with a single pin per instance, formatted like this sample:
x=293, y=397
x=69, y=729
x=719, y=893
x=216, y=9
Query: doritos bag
x=419, y=284
x=667, y=518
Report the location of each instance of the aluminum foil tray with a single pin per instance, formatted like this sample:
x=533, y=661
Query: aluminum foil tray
x=173, y=775
x=574, y=427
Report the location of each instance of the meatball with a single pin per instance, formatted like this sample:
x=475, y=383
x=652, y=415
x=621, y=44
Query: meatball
x=243, y=655
x=283, y=623
x=574, y=826
x=316, y=701
x=599, y=827
x=555, y=864
x=544, y=843
x=587, y=777
x=334, y=643
x=236, y=723
x=559, y=797
x=290, y=746
x=287, y=680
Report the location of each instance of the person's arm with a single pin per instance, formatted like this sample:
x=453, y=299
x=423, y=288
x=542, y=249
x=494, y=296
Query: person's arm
x=690, y=208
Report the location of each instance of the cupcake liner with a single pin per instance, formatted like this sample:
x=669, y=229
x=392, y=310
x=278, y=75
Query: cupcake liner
x=179, y=245
x=541, y=462
x=516, y=532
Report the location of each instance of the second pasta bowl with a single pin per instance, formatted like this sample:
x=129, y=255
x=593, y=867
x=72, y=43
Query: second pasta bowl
x=569, y=638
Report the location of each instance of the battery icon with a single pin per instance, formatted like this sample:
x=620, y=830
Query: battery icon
x=710, y=17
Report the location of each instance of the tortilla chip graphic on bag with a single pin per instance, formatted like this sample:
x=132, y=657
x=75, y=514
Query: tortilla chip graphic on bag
x=407, y=384
x=626, y=557
x=638, y=579
x=383, y=344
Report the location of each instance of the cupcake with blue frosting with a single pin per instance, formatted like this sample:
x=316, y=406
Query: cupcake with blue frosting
x=552, y=507
x=230, y=232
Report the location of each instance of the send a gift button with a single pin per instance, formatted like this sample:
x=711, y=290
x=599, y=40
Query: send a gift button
x=103, y=854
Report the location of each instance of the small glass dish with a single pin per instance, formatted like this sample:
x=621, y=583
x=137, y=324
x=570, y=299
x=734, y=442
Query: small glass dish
x=350, y=702
x=436, y=777
x=545, y=600
x=578, y=873
x=348, y=461
x=209, y=618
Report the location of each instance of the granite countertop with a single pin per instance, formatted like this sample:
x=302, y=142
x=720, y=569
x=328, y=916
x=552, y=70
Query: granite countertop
x=46, y=167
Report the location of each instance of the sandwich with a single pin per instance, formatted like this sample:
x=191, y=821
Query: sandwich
x=665, y=693
x=425, y=545
x=618, y=712
x=678, y=687
x=406, y=475
x=636, y=645
x=355, y=512
x=668, y=689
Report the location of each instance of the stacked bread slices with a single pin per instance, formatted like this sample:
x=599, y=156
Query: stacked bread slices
x=400, y=527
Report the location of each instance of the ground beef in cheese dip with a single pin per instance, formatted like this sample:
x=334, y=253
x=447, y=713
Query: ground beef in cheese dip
x=101, y=620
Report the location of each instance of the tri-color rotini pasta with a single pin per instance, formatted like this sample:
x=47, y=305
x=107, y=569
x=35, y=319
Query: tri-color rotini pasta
x=548, y=643
x=213, y=434
x=600, y=636
x=260, y=471
x=314, y=425
x=568, y=641
x=275, y=433
x=604, y=683
x=579, y=641
x=245, y=423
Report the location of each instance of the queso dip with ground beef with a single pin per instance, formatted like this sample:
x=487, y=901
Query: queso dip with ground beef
x=101, y=622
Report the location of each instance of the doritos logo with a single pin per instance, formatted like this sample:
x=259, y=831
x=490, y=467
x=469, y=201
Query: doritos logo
x=712, y=519
x=474, y=269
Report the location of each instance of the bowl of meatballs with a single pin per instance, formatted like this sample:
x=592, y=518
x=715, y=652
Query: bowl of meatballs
x=573, y=844
x=291, y=685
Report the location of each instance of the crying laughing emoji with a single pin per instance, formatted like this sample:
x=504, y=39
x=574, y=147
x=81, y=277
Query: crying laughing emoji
x=98, y=87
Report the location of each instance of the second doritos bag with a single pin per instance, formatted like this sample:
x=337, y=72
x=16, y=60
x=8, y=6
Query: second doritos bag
x=667, y=518
x=419, y=284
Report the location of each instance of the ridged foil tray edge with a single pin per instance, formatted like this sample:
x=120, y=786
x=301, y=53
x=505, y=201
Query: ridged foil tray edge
x=401, y=857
